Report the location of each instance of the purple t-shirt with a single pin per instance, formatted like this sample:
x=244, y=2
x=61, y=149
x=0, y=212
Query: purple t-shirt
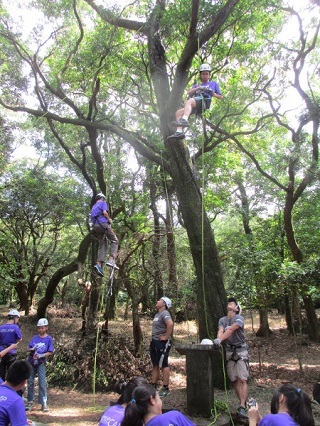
x=213, y=85
x=112, y=416
x=171, y=418
x=9, y=333
x=97, y=215
x=280, y=419
x=12, y=409
x=43, y=345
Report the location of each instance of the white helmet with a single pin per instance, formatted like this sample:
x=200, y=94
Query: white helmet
x=42, y=322
x=13, y=313
x=205, y=67
x=206, y=342
x=100, y=195
x=167, y=301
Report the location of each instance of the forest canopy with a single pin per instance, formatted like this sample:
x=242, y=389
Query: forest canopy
x=229, y=209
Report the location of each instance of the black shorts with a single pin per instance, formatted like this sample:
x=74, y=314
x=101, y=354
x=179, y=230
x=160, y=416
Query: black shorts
x=157, y=348
x=202, y=104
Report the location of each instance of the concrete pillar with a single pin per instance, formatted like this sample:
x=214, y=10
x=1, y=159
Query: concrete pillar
x=204, y=372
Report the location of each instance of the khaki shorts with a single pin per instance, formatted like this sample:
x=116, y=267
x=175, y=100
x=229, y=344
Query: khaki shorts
x=238, y=369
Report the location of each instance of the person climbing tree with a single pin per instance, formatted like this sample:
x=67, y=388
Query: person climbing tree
x=199, y=100
x=101, y=222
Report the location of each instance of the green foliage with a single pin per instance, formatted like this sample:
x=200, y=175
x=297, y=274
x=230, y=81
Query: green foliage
x=38, y=210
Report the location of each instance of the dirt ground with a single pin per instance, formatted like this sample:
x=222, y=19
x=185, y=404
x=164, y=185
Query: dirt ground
x=273, y=361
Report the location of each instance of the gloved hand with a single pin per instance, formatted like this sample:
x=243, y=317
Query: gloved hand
x=217, y=343
x=41, y=356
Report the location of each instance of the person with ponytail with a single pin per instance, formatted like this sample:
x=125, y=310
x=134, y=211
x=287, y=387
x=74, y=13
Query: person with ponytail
x=145, y=409
x=290, y=406
x=114, y=414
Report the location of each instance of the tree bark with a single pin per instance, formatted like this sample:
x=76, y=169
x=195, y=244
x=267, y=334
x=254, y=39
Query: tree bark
x=211, y=295
x=264, y=329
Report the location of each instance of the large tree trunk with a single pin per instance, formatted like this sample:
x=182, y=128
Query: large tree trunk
x=264, y=329
x=211, y=295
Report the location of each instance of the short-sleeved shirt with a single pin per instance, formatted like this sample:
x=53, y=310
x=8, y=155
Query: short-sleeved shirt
x=9, y=333
x=97, y=215
x=44, y=344
x=12, y=409
x=171, y=418
x=213, y=85
x=159, y=324
x=280, y=419
x=112, y=416
x=237, y=337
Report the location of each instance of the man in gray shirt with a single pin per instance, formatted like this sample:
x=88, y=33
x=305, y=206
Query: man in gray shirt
x=231, y=331
x=162, y=326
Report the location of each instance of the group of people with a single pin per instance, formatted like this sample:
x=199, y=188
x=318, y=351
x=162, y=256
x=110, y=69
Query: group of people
x=15, y=374
x=290, y=406
x=141, y=405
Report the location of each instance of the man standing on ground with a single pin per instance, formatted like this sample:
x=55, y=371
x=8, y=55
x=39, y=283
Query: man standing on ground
x=231, y=331
x=12, y=409
x=9, y=334
x=162, y=326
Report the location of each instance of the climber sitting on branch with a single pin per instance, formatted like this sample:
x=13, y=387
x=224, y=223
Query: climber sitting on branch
x=199, y=100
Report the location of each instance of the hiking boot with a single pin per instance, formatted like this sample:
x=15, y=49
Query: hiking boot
x=97, y=268
x=112, y=264
x=181, y=123
x=44, y=408
x=164, y=392
x=176, y=135
x=242, y=412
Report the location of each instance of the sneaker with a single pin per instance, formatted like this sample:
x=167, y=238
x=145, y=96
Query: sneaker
x=98, y=270
x=28, y=406
x=181, y=123
x=112, y=264
x=177, y=136
x=242, y=412
x=44, y=408
x=164, y=392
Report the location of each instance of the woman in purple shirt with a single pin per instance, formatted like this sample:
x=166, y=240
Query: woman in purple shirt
x=290, y=406
x=145, y=409
x=115, y=413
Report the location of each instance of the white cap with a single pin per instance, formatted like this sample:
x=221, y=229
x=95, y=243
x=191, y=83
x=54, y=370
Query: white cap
x=14, y=313
x=167, y=301
x=206, y=342
x=205, y=67
x=42, y=322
